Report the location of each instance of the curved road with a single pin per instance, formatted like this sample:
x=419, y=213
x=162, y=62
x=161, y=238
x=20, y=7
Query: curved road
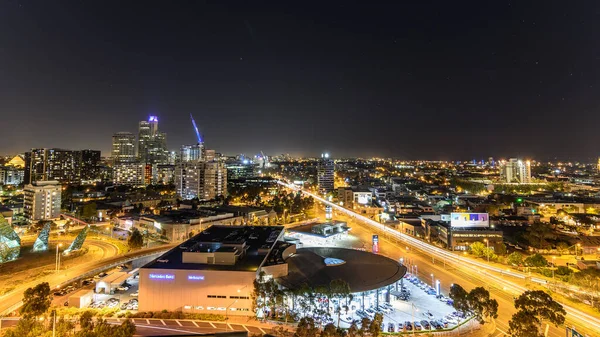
x=10, y=301
x=491, y=276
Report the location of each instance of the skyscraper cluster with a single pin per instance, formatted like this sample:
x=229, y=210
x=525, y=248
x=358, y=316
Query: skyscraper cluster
x=149, y=163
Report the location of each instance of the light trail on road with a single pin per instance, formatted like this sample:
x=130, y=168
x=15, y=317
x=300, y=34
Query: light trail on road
x=585, y=320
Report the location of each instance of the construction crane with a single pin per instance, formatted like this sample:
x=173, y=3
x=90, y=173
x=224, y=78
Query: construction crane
x=196, y=129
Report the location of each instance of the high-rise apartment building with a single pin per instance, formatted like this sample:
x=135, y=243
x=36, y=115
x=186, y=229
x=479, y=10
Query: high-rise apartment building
x=202, y=180
x=51, y=164
x=194, y=152
x=152, y=144
x=515, y=171
x=89, y=165
x=325, y=174
x=123, y=147
x=42, y=200
x=10, y=175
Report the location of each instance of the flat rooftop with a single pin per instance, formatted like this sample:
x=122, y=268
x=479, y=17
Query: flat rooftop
x=257, y=241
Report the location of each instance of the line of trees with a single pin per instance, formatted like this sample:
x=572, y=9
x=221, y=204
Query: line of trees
x=308, y=327
x=269, y=300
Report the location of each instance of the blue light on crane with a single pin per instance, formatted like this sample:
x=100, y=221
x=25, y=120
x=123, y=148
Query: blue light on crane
x=196, y=129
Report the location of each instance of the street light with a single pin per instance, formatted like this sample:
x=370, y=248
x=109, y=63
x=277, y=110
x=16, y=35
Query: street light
x=553, y=266
x=487, y=252
x=57, y=260
x=432, y=281
x=227, y=311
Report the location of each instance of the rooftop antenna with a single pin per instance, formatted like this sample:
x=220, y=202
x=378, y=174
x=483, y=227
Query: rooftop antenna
x=196, y=129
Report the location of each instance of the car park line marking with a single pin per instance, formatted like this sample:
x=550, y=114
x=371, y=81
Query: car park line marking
x=504, y=332
x=147, y=321
x=259, y=328
x=246, y=328
x=163, y=322
x=195, y=324
x=171, y=329
x=178, y=323
x=212, y=325
x=230, y=328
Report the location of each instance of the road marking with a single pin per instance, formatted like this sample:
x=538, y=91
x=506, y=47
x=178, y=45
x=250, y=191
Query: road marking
x=504, y=332
x=259, y=328
x=147, y=321
x=195, y=324
x=178, y=323
x=230, y=328
x=170, y=329
x=246, y=328
x=163, y=322
x=212, y=325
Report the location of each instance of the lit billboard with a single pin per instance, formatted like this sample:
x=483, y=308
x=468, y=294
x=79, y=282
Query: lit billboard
x=469, y=220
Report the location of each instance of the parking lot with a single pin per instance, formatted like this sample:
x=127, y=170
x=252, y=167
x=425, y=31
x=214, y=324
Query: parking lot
x=124, y=297
x=419, y=310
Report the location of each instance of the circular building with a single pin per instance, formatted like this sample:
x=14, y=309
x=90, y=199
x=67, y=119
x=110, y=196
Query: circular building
x=318, y=266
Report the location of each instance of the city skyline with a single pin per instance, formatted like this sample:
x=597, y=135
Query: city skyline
x=413, y=81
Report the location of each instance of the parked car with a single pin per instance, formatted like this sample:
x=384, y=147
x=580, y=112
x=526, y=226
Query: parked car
x=425, y=325
x=408, y=326
x=400, y=327
x=417, y=325
x=428, y=315
x=390, y=327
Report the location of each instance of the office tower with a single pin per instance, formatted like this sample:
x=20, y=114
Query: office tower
x=42, y=200
x=515, y=171
x=240, y=170
x=325, y=174
x=152, y=144
x=133, y=174
x=123, y=147
x=51, y=164
x=89, y=161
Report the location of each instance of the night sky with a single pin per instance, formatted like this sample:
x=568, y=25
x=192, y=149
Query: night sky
x=420, y=80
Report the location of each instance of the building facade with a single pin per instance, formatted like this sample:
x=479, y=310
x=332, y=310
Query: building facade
x=10, y=175
x=52, y=164
x=515, y=171
x=123, y=147
x=42, y=200
x=129, y=174
x=202, y=180
x=152, y=144
x=325, y=174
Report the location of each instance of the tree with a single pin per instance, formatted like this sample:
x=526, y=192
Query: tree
x=477, y=249
x=536, y=260
x=515, y=259
x=481, y=304
x=353, y=331
x=329, y=331
x=36, y=301
x=375, y=326
x=539, y=233
x=501, y=249
x=136, y=240
x=535, y=306
x=460, y=298
x=306, y=328
x=89, y=210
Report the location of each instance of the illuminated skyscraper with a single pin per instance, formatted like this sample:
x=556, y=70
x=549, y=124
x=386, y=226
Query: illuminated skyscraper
x=325, y=174
x=123, y=147
x=51, y=164
x=152, y=144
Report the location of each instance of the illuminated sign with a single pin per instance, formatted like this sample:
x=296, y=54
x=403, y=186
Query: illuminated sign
x=195, y=278
x=375, y=243
x=469, y=220
x=161, y=276
x=153, y=119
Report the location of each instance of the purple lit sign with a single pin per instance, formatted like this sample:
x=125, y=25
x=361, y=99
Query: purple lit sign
x=195, y=278
x=161, y=276
x=153, y=119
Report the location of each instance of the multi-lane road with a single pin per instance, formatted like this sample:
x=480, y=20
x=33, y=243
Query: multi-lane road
x=12, y=300
x=503, y=284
